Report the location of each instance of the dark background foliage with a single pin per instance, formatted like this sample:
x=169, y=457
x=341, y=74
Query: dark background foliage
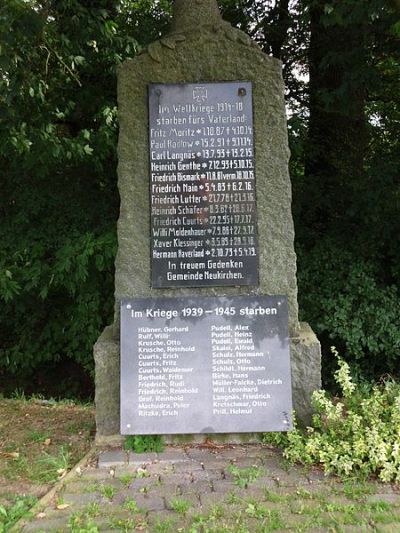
x=59, y=200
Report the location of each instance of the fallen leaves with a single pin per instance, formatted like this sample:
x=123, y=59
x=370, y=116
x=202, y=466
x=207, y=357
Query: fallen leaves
x=61, y=472
x=211, y=444
x=10, y=455
x=62, y=506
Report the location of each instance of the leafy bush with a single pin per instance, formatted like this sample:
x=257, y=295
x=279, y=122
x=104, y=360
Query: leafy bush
x=346, y=300
x=358, y=434
x=55, y=302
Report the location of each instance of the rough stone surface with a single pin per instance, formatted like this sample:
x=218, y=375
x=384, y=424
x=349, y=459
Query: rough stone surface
x=106, y=357
x=209, y=50
x=189, y=13
x=305, y=359
x=208, y=53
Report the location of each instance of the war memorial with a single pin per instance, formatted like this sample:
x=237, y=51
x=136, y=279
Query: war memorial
x=206, y=339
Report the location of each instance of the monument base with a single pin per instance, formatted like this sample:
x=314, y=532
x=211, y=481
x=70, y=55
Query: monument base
x=107, y=376
x=305, y=356
x=305, y=360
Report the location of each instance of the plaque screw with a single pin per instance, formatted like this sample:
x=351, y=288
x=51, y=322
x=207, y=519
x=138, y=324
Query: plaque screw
x=128, y=425
x=129, y=306
x=158, y=92
x=242, y=91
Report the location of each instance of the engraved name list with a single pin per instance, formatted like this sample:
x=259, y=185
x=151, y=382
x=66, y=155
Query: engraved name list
x=202, y=187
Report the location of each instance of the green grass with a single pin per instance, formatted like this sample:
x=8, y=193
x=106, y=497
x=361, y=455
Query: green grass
x=274, y=497
x=131, y=505
x=37, y=436
x=126, y=479
x=75, y=427
x=244, y=476
x=232, y=498
x=107, y=491
x=180, y=505
x=216, y=512
x=126, y=525
x=141, y=473
x=80, y=523
x=49, y=468
x=91, y=487
x=16, y=468
x=92, y=509
x=356, y=490
x=164, y=526
x=19, y=508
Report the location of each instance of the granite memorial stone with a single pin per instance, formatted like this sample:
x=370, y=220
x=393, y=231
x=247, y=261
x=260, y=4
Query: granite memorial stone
x=202, y=52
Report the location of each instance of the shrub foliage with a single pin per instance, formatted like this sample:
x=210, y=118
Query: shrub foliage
x=357, y=434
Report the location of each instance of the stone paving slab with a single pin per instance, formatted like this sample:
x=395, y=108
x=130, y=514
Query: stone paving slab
x=247, y=488
x=45, y=525
x=197, y=487
x=387, y=498
x=112, y=458
x=138, y=459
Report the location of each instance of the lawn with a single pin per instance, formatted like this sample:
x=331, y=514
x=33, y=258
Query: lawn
x=39, y=441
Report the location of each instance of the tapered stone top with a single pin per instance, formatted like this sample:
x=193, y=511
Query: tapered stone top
x=190, y=14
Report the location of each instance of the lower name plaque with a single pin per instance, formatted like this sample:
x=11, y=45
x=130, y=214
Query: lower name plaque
x=205, y=365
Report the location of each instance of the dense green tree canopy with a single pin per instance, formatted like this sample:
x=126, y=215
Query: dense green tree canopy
x=59, y=200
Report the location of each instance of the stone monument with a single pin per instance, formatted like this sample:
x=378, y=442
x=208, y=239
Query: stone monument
x=201, y=49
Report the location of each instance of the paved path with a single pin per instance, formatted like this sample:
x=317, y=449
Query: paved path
x=229, y=489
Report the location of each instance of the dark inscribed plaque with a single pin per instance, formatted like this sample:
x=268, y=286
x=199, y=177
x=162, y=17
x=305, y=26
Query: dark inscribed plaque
x=202, y=187
x=205, y=365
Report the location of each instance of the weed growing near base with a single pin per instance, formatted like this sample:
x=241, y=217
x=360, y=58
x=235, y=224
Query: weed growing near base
x=50, y=467
x=131, y=505
x=120, y=524
x=164, y=526
x=108, y=491
x=79, y=523
x=92, y=509
x=141, y=473
x=144, y=443
x=216, y=512
x=355, y=490
x=272, y=518
x=274, y=497
x=179, y=505
x=232, y=498
x=244, y=476
x=126, y=479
